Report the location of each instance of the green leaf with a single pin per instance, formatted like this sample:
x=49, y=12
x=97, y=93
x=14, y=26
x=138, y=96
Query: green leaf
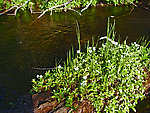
x=133, y=109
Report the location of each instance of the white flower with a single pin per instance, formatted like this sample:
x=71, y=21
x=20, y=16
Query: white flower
x=80, y=64
x=85, y=77
x=37, y=76
x=126, y=54
x=83, y=60
x=108, y=61
x=96, y=61
x=103, y=45
x=120, y=90
x=138, y=77
x=41, y=76
x=136, y=45
x=112, y=16
x=76, y=68
x=90, y=47
x=97, y=71
x=78, y=51
x=59, y=66
x=83, y=83
x=90, y=51
x=94, y=48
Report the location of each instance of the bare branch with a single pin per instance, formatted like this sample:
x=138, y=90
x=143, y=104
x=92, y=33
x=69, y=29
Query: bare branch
x=42, y=69
x=20, y=7
x=75, y=11
x=132, y=3
x=8, y=10
x=61, y=5
x=86, y=6
x=15, y=12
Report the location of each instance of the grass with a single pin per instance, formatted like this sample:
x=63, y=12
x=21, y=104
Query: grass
x=110, y=75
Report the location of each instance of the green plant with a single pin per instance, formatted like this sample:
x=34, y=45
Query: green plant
x=57, y=5
x=116, y=2
x=109, y=75
x=10, y=3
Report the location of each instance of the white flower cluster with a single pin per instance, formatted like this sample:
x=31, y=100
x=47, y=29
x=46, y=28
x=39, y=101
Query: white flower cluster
x=103, y=45
x=78, y=51
x=39, y=76
x=91, y=49
x=76, y=68
x=83, y=83
x=136, y=45
x=84, y=77
x=59, y=67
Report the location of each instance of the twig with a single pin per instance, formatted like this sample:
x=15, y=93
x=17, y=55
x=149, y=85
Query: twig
x=132, y=3
x=105, y=37
x=86, y=6
x=42, y=69
x=54, y=7
x=20, y=7
x=8, y=10
x=15, y=12
x=75, y=11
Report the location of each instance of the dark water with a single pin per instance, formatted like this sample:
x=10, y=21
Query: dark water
x=26, y=43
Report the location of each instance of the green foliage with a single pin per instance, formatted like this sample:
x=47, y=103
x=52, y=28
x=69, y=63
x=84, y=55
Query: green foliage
x=110, y=75
x=10, y=3
x=73, y=4
x=116, y=2
x=45, y=4
x=80, y=3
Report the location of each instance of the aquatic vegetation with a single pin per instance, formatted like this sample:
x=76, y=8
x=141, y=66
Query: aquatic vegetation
x=110, y=75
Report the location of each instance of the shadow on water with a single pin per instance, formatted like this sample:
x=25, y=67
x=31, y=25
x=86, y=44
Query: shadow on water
x=27, y=43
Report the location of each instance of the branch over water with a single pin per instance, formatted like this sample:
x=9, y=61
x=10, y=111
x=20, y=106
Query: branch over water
x=61, y=5
x=15, y=12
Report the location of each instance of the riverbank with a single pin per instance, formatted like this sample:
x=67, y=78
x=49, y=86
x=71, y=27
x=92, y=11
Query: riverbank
x=26, y=104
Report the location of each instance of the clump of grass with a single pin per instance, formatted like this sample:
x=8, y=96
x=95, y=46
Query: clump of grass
x=110, y=75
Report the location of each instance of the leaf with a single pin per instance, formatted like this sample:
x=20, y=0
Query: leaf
x=133, y=109
x=53, y=96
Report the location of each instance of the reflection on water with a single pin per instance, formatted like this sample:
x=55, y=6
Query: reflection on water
x=26, y=43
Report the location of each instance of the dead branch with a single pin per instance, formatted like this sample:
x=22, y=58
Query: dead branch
x=132, y=3
x=8, y=10
x=42, y=69
x=75, y=11
x=20, y=7
x=17, y=8
x=86, y=6
x=61, y=5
